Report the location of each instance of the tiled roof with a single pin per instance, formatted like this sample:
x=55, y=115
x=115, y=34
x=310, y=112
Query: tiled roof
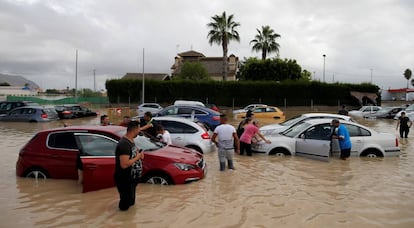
x=191, y=53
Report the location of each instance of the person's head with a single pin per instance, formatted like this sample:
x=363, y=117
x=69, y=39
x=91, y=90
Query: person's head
x=147, y=116
x=335, y=122
x=159, y=128
x=104, y=120
x=402, y=113
x=256, y=123
x=343, y=106
x=249, y=114
x=133, y=128
x=223, y=118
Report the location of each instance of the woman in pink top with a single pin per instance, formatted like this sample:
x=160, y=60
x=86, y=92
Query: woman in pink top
x=250, y=131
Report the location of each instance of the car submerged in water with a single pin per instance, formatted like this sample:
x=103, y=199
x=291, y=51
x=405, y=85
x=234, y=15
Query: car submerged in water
x=52, y=153
x=312, y=138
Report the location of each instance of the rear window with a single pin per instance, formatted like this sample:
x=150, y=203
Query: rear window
x=177, y=127
x=63, y=140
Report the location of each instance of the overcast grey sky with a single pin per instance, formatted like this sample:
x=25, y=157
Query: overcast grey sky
x=39, y=38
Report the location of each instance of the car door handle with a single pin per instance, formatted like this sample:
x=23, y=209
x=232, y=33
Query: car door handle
x=359, y=141
x=91, y=166
x=178, y=138
x=55, y=156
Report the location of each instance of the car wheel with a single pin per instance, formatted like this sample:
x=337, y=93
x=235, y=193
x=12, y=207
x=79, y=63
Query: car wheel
x=37, y=174
x=160, y=179
x=281, y=152
x=371, y=153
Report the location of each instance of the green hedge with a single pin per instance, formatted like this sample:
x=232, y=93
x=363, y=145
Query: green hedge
x=237, y=93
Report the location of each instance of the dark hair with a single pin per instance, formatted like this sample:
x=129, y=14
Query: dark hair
x=335, y=121
x=132, y=125
x=149, y=114
x=159, y=127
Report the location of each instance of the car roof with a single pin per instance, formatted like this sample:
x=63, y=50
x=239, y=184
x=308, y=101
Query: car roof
x=196, y=107
x=329, y=120
x=109, y=129
x=327, y=115
x=178, y=119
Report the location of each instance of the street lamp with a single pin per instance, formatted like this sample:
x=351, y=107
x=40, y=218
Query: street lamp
x=324, y=56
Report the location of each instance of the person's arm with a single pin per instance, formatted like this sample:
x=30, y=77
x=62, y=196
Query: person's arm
x=410, y=123
x=398, y=124
x=261, y=136
x=126, y=162
x=213, y=138
x=143, y=128
x=236, y=143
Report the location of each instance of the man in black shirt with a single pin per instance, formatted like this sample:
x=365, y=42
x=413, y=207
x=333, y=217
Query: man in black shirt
x=404, y=123
x=128, y=166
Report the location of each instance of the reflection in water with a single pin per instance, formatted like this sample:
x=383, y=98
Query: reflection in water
x=263, y=191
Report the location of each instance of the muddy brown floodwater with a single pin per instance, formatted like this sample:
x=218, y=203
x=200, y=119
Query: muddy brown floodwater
x=263, y=191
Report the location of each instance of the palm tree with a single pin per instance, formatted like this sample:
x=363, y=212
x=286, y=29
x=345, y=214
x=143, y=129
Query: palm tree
x=407, y=75
x=223, y=30
x=265, y=41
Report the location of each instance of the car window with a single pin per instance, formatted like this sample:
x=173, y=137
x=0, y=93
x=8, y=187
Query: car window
x=62, y=140
x=319, y=132
x=184, y=110
x=177, y=127
x=270, y=110
x=171, y=111
x=375, y=109
x=28, y=110
x=356, y=131
x=16, y=112
x=295, y=130
x=260, y=110
x=96, y=145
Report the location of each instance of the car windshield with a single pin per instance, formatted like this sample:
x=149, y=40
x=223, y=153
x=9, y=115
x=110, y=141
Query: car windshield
x=292, y=120
x=296, y=129
x=410, y=108
x=144, y=142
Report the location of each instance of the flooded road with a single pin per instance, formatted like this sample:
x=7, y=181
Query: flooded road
x=263, y=191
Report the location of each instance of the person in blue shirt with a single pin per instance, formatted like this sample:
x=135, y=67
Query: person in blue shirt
x=343, y=137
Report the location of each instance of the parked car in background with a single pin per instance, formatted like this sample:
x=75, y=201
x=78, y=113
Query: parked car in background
x=312, y=138
x=148, y=107
x=30, y=114
x=276, y=128
x=409, y=111
x=69, y=111
x=187, y=133
x=205, y=115
x=385, y=112
x=7, y=106
x=364, y=110
x=264, y=112
x=187, y=102
x=247, y=108
x=52, y=153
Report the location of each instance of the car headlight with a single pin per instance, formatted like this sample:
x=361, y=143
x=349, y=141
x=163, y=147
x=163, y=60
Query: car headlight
x=184, y=167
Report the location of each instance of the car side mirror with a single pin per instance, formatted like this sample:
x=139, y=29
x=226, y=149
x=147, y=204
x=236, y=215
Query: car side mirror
x=302, y=136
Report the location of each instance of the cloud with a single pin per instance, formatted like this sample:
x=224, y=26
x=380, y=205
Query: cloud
x=356, y=36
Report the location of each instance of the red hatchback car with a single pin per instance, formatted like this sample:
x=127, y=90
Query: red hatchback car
x=52, y=153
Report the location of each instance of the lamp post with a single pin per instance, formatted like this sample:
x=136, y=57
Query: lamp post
x=371, y=75
x=324, y=56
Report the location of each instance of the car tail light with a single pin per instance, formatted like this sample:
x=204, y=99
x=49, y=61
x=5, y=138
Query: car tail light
x=396, y=142
x=66, y=112
x=44, y=116
x=216, y=118
x=205, y=135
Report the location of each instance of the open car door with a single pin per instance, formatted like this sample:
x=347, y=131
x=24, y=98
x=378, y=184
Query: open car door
x=315, y=142
x=98, y=160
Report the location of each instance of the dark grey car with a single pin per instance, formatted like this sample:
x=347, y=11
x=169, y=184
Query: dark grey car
x=30, y=114
x=7, y=106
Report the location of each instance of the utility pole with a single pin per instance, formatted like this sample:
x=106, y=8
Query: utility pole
x=371, y=75
x=94, y=81
x=143, y=76
x=324, y=56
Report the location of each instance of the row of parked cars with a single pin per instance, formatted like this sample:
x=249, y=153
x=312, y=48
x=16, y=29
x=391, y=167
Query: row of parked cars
x=27, y=111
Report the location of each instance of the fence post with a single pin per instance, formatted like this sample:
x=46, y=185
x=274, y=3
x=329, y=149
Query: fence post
x=311, y=104
x=285, y=103
x=233, y=103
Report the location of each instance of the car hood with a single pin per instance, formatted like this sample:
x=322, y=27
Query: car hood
x=177, y=154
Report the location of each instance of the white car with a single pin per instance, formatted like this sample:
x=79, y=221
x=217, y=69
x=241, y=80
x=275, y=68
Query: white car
x=187, y=133
x=276, y=128
x=364, y=110
x=148, y=107
x=311, y=138
x=186, y=102
x=247, y=108
x=409, y=111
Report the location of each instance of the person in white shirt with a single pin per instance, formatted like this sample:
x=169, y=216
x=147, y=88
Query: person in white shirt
x=162, y=134
x=227, y=141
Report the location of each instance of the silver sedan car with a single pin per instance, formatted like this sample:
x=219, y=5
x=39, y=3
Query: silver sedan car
x=311, y=138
